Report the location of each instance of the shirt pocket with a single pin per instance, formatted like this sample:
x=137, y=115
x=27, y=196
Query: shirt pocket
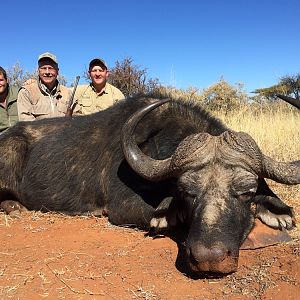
x=62, y=105
x=12, y=109
x=86, y=102
x=41, y=109
x=86, y=105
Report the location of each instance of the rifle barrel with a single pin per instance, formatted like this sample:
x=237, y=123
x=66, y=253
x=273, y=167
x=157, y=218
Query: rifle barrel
x=69, y=109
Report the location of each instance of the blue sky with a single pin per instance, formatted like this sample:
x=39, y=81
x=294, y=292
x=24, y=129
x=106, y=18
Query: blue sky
x=182, y=43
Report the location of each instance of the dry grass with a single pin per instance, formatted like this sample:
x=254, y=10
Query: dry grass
x=276, y=131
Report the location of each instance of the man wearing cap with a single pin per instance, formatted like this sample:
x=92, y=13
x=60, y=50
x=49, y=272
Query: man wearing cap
x=99, y=94
x=44, y=97
x=8, y=102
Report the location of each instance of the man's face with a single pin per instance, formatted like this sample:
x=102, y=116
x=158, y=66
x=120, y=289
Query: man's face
x=3, y=84
x=48, y=72
x=99, y=75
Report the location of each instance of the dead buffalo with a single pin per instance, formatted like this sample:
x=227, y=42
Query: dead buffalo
x=151, y=163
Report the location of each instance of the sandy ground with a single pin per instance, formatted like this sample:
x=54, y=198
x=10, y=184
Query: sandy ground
x=53, y=256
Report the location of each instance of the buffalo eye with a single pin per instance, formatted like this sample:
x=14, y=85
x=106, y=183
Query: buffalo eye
x=247, y=196
x=189, y=199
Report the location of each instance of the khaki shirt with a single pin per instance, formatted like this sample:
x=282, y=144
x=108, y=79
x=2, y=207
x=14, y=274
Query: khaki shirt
x=9, y=115
x=88, y=101
x=36, y=102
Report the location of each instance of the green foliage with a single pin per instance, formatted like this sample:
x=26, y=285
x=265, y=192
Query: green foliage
x=223, y=96
x=292, y=84
x=220, y=96
x=288, y=85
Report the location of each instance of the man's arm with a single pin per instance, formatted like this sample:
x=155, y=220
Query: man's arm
x=24, y=106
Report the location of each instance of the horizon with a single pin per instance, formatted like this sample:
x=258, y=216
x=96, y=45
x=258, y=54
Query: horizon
x=253, y=43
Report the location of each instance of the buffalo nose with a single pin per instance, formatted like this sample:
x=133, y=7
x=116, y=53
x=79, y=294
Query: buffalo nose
x=209, y=254
x=217, y=259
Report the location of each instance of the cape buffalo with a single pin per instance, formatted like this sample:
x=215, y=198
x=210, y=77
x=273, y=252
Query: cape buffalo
x=152, y=163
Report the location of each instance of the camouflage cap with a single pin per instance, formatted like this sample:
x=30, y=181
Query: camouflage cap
x=97, y=61
x=48, y=55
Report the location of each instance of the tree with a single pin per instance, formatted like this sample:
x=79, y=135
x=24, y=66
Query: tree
x=292, y=85
x=131, y=79
x=288, y=85
x=223, y=96
x=17, y=76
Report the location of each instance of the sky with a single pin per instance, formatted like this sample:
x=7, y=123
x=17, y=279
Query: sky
x=182, y=43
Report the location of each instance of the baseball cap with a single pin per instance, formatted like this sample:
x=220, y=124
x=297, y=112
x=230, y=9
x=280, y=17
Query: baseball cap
x=48, y=55
x=97, y=61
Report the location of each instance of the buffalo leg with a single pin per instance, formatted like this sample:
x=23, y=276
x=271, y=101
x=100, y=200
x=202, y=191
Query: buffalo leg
x=132, y=199
x=165, y=216
x=271, y=210
x=12, y=207
x=131, y=211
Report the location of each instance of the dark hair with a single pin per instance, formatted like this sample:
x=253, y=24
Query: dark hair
x=3, y=72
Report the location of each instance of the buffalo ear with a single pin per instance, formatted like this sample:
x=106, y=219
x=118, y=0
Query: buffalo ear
x=263, y=236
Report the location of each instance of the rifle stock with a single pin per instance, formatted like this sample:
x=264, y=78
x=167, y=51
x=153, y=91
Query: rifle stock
x=70, y=108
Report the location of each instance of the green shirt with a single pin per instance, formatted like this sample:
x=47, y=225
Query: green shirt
x=9, y=115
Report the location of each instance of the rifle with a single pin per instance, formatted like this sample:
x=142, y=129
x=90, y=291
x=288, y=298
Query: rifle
x=293, y=101
x=70, y=104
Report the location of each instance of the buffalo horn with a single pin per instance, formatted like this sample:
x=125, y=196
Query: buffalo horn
x=282, y=172
x=293, y=101
x=147, y=167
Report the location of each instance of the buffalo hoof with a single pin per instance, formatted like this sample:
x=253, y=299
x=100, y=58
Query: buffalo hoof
x=283, y=220
x=12, y=207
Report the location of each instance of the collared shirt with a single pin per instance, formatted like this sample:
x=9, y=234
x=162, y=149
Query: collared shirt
x=36, y=101
x=88, y=101
x=9, y=114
